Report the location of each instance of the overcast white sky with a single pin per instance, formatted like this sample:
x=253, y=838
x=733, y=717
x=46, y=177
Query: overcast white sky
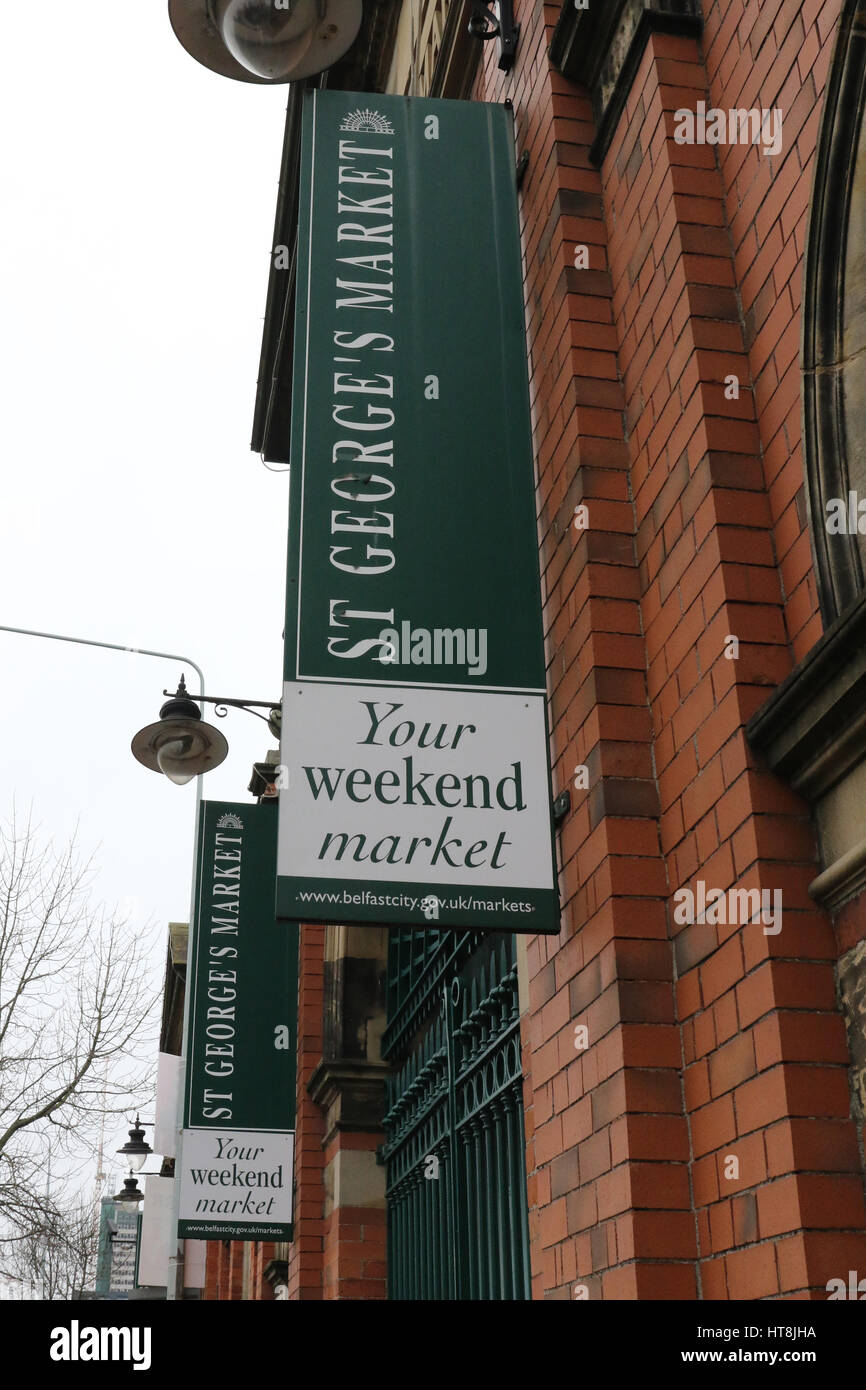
x=138, y=193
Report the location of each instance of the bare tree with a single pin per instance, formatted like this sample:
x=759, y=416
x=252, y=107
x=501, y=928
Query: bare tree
x=76, y=1007
x=57, y=1259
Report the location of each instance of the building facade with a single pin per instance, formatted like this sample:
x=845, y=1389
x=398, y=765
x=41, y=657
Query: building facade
x=666, y=1101
x=117, y=1253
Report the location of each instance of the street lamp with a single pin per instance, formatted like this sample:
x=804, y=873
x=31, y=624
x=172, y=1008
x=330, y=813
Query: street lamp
x=130, y=1194
x=180, y=744
x=266, y=41
x=136, y=1148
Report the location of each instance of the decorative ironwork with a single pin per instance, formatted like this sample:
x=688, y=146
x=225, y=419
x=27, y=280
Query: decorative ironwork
x=456, y=1188
x=222, y=704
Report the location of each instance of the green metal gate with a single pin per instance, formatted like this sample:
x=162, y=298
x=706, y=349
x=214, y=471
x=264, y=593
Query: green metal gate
x=454, y=1150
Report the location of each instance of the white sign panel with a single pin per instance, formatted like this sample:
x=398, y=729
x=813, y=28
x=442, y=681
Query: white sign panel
x=155, y=1229
x=410, y=803
x=168, y=1075
x=413, y=566
x=194, y=1263
x=235, y=1185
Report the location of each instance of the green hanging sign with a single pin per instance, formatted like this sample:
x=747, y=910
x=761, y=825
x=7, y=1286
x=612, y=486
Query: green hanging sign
x=239, y=1099
x=416, y=783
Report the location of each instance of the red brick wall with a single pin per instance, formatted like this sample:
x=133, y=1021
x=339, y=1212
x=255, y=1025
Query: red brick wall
x=774, y=54
x=704, y=1042
x=306, y=1250
x=261, y=1254
x=341, y=1256
x=212, y=1270
x=224, y=1270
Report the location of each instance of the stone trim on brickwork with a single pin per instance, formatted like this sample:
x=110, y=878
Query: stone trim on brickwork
x=834, y=309
x=812, y=731
x=851, y=980
x=601, y=48
x=351, y=1095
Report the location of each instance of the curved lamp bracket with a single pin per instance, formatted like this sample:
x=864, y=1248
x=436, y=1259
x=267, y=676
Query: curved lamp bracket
x=485, y=24
x=222, y=704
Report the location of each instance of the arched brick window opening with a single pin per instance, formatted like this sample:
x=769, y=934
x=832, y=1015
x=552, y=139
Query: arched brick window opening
x=834, y=325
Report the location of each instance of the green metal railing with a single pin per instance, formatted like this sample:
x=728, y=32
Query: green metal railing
x=454, y=1151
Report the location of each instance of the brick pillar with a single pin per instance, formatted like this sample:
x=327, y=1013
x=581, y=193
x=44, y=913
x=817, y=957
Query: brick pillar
x=305, y=1251
x=349, y=1086
x=223, y=1262
x=235, y=1272
x=765, y=1081
x=594, y=1115
x=262, y=1253
x=355, y=1235
x=701, y=1145
x=212, y=1269
x=222, y=1270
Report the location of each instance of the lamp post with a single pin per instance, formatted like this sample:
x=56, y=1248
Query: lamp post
x=180, y=745
x=107, y=646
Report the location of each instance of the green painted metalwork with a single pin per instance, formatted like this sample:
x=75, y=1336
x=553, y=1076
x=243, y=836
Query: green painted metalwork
x=454, y=1150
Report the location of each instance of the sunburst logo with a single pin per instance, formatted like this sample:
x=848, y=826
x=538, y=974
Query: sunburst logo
x=372, y=121
x=230, y=822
